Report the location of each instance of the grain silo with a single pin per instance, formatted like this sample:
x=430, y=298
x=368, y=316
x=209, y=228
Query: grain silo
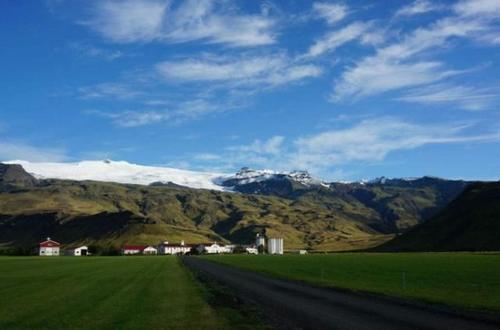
x=260, y=240
x=275, y=246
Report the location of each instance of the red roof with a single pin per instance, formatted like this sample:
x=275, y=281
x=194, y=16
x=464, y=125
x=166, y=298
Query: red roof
x=134, y=247
x=49, y=243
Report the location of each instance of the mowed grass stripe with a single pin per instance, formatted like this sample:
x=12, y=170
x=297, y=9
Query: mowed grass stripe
x=466, y=280
x=104, y=293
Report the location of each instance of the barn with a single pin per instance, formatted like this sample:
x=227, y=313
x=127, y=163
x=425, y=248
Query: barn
x=49, y=248
x=78, y=251
x=149, y=250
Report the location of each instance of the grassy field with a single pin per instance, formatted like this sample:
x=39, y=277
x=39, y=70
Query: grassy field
x=465, y=280
x=103, y=293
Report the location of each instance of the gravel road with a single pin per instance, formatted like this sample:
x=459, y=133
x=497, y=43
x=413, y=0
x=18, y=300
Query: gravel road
x=301, y=306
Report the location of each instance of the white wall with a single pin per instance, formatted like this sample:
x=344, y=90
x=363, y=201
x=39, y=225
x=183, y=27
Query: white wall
x=49, y=251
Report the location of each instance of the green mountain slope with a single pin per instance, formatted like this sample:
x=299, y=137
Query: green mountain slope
x=111, y=214
x=470, y=223
x=338, y=217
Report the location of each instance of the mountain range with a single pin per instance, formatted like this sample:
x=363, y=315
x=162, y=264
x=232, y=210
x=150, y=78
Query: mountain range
x=107, y=204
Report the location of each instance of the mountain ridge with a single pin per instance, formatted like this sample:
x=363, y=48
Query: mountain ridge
x=338, y=216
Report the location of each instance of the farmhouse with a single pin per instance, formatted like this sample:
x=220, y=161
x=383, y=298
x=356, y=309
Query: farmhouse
x=78, y=251
x=133, y=249
x=212, y=248
x=139, y=249
x=49, y=248
x=168, y=248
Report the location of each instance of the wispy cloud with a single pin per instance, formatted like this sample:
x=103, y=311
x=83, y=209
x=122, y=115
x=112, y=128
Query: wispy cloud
x=118, y=91
x=180, y=21
x=332, y=13
x=89, y=50
x=17, y=150
x=373, y=139
x=403, y=59
x=128, y=21
x=272, y=146
x=419, y=7
x=367, y=141
x=374, y=76
x=466, y=97
x=187, y=110
x=489, y=8
x=334, y=39
x=245, y=70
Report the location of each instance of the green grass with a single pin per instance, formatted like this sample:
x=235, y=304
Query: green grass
x=466, y=280
x=103, y=293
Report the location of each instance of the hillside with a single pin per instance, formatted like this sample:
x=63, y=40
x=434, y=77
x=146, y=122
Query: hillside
x=470, y=223
x=111, y=214
x=306, y=212
x=12, y=176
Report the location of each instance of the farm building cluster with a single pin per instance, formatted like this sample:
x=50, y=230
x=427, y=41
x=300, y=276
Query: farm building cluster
x=52, y=248
x=262, y=244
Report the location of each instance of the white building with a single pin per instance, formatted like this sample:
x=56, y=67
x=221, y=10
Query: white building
x=49, y=248
x=139, y=249
x=79, y=251
x=133, y=249
x=212, y=248
x=167, y=248
x=275, y=246
x=149, y=250
x=260, y=240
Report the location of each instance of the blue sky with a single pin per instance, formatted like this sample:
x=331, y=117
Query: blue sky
x=347, y=90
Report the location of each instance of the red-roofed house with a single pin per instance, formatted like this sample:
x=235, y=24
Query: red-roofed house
x=133, y=249
x=49, y=248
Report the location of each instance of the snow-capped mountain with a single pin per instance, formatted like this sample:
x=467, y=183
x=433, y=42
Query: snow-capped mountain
x=122, y=172
x=248, y=176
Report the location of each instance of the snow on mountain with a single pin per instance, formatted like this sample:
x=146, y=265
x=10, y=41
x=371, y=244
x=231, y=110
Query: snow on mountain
x=122, y=172
x=247, y=175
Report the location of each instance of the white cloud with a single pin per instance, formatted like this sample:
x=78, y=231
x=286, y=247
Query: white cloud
x=337, y=38
x=218, y=23
x=14, y=150
x=489, y=8
x=372, y=140
x=367, y=141
x=130, y=20
x=109, y=90
x=180, y=21
x=239, y=71
x=469, y=98
x=373, y=76
x=418, y=7
x=272, y=146
x=398, y=66
x=331, y=12
x=186, y=110
x=96, y=52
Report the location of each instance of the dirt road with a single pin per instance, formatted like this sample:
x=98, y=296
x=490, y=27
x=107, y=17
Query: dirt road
x=303, y=306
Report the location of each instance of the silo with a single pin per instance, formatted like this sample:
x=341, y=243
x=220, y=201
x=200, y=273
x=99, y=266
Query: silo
x=260, y=240
x=275, y=246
